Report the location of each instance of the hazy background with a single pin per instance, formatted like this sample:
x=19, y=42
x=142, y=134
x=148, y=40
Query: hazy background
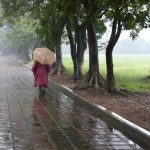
x=126, y=45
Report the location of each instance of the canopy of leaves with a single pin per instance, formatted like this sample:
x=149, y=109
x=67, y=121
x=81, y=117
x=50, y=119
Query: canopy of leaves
x=21, y=35
x=132, y=14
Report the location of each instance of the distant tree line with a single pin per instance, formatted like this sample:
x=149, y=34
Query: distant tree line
x=83, y=22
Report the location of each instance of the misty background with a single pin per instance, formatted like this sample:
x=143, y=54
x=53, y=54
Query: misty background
x=125, y=45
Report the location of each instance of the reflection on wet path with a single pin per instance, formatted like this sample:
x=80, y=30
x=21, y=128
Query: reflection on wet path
x=51, y=123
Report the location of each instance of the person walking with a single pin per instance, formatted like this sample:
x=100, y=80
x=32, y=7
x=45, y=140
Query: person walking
x=40, y=72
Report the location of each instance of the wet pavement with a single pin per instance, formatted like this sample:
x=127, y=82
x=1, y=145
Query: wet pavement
x=54, y=122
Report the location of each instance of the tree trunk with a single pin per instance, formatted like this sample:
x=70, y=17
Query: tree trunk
x=78, y=46
x=58, y=67
x=93, y=77
x=73, y=51
x=81, y=46
x=71, y=39
x=110, y=73
x=93, y=50
x=58, y=58
x=115, y=34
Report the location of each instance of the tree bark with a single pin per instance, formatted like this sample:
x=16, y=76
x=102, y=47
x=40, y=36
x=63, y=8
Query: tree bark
x=58, y=67
x=110, y=73
x=93, y=77
x=93, y=51
x=71, y=39
x=73, y=50
x=81, y=46
x=77, y=45
x=115, y=34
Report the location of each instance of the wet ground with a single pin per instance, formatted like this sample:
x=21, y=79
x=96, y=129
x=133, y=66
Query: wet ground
x=54, y=122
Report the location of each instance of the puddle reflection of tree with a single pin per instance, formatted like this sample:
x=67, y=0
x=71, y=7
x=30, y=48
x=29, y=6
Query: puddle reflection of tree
x=62, y=107
x=39, y=125
x=36, y=105
x=69, y=114
x=91, y=127
x=52, y=124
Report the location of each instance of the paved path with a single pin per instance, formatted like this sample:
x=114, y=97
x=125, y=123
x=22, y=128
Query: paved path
x=51, y=123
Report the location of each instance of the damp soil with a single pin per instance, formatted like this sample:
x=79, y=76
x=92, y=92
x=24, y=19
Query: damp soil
x=134, y=107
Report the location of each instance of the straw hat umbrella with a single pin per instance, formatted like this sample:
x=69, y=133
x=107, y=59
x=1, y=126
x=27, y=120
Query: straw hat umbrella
x=44, y=56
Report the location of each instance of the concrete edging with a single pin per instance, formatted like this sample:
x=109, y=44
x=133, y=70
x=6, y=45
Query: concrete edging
x=134, y=132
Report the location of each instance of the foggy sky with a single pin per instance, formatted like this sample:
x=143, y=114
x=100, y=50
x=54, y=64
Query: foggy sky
x=126, y=45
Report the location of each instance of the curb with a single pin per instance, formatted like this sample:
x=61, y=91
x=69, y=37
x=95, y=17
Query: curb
x=137, y=134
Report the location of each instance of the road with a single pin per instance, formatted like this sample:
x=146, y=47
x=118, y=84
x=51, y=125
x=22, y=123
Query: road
x=54, y=122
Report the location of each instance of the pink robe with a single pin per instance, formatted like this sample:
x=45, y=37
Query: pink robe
x=40, y=72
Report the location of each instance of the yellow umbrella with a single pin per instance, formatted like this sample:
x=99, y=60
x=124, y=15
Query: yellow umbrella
x=44, y=56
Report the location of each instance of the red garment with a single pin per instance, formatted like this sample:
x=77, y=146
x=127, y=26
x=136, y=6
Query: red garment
x=40, y=72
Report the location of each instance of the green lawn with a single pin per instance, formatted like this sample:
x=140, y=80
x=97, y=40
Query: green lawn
x=129, y=70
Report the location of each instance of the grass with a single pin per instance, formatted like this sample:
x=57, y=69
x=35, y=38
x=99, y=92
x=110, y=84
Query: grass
x=130, y=70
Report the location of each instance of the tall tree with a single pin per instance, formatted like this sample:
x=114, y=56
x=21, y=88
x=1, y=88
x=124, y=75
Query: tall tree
x=76, y=29
x=20, y=36
x=124, y=15
x=78, y=45
x=86, y=11
x=51, y=23
x=80, y=32
x=93, y=76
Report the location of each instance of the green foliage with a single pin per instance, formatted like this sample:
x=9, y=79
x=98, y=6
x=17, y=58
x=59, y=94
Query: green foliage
x=100, y=28
x=68, y=7
x=133, y=15
x=21, y=34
